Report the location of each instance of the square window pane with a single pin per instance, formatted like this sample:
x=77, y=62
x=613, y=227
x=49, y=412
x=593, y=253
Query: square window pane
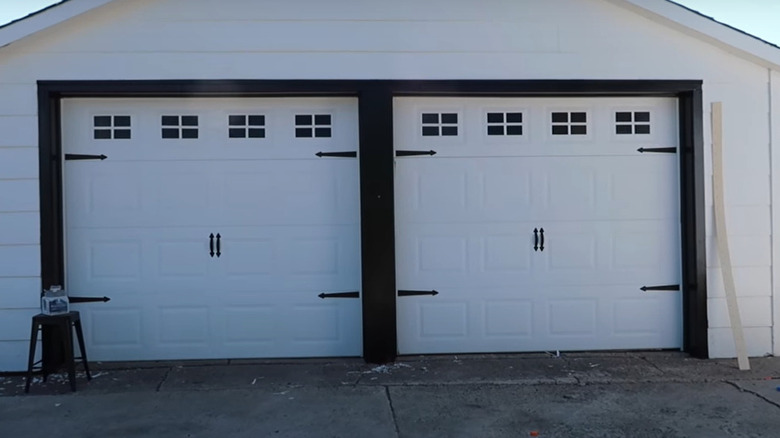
x=236, y=133
x=322, y=119
x=642, y=129
x=514, y=117
x=449, y=130
x=121, y=120
x=495, y=117
x=449, y=118
x=642, y=116
x=430, y=118
x=623, y=129
x=257, y=120
x=579, y=130
x=322, y=132
x=514, y=130
x=560, y=130
x=236, y=120
x=170, y=133
x=122, y=134
x=189, y=133
x=495, y=130
x=579, y=117
x=560, y=117
x=303, y=132
x=102, y=121
x=430, y=131
x=256, y=133
x=303, y=119
x=189, y=121
x=170, y=121
x=623, y=117
x=102, y=134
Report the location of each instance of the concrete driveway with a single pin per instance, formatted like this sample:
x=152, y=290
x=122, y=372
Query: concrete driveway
x=641, y=394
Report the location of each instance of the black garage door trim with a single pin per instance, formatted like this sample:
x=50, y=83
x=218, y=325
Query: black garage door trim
x=376, y=172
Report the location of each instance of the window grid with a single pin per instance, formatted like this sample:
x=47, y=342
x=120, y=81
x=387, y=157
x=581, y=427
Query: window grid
x=570, y=123
x=313, y=126
x=439, y=124
x=107, y=127
x=246, y=126
x=500, y=123
x=628, y=123
x=179, y=126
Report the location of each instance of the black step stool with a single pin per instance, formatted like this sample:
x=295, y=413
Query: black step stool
x=62, y=325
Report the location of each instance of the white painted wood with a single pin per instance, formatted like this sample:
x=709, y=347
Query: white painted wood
x=758, y=342
x=19, y=130
x=759, y=308
x=20, y=228
x=724, y=255
x=138, y=226
x=18, y=195
x=752, y=281
x=20, y=293
x=18, y=99
x=774, y=129
x=14, y=357
x=18, y=163
x=20, y=261
x=465, y=219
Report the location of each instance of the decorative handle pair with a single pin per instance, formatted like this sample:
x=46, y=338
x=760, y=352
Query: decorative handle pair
x=538, y=233
x=211, y=245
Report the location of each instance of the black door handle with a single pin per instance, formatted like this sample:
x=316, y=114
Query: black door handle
x=211, y=244
x=219, y=245
x=541, y=232
x=536, y=239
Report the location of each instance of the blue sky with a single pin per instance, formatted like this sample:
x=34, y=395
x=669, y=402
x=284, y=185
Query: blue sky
x=758, y=17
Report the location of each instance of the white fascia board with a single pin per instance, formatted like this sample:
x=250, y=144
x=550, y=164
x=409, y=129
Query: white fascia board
x=706, y=29
x=46, y=18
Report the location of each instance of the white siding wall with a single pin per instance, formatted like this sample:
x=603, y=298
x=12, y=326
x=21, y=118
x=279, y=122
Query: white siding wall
x=403, y=39
x=774, y=117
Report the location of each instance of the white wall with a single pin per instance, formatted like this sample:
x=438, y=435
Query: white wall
x=404, y=39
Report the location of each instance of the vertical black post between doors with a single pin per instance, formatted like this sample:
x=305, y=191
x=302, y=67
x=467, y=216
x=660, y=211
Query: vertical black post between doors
x=377, y=219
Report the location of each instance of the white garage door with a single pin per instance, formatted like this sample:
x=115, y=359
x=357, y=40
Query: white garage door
x=537, y=221
x=213, y=226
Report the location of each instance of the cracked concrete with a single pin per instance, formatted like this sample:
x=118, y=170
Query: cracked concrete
x=633, y=394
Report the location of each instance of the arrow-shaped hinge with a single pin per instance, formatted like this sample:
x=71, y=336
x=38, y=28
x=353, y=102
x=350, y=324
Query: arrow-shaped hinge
x=413, y=153
x=69, y=157
x=657, y=288
x=340, y=295
x=658, y=150
x=349, y=154
x=413, y=293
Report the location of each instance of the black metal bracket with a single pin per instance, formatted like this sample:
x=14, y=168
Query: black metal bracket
x=337, y=154
x=541, y=234
x=414, y=293
x=654, y=288
x=69, y=157
x=340, y=295
x=413, y=153
x=658, y=150
x=536, y=239
x=89, y=299
x=211, y=244
x=219, y=245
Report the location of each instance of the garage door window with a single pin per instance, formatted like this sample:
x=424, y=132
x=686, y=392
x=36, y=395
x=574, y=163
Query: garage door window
x=246, y=126
x=439, y=124
x=569, y=123
x=111, y=127
x=313, y=125
x=628, y=122
x=505, y=123
x=179, y=127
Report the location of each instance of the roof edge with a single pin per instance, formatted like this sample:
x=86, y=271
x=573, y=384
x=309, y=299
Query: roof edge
x=47, y=17
x=706, y=28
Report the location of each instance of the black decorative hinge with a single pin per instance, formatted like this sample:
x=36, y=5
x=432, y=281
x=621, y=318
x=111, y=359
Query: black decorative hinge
x=654, y=288
x=340, y=295
x=413, y=293
x=89, y=299
x=337, y=154
x=413, y=153
x=658, y=150
x=69, y=157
